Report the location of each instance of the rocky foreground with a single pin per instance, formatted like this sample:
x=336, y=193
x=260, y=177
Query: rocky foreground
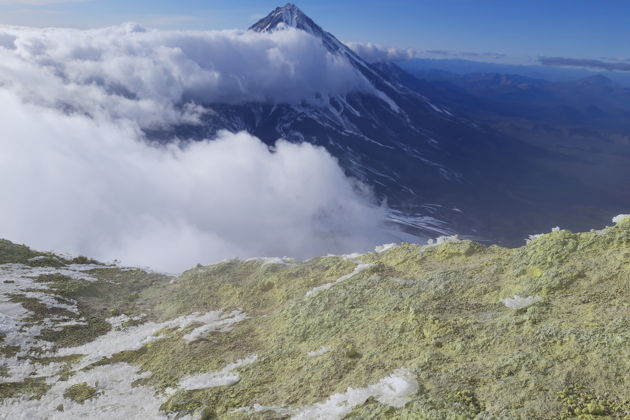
x=452, y=330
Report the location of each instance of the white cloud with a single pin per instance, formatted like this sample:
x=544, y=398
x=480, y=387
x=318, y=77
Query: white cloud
x=78, y=176
x=93, y=186
x=374, y=53
x=156, y=77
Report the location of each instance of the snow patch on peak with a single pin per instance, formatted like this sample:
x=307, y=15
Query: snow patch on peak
x=291, y=15
x=288, y=16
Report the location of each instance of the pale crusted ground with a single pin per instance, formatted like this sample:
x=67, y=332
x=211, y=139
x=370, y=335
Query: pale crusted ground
x=451, y=330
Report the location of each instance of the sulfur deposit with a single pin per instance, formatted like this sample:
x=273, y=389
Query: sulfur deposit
x=455, y=330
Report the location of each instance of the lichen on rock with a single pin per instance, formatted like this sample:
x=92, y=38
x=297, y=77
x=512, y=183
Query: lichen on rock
x=80, y=392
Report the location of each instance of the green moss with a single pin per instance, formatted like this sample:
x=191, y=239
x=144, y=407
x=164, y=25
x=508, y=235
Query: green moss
x=47, y=260
x=31, y=388
x=9, y=351
x=76, y=335
x=39, y=309
x=66, y=286
x=469, y=401
x=117, y=292
x=21, y=254
x=12, y=253
x=83, y=260
x=80, y=392
x=579, y=403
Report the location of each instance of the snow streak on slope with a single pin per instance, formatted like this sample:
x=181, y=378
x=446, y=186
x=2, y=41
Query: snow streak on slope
x=35, y=359
x=135, y=337
x=225, y=377
x=395, y=391
x=20, y=281
x=358, y=269
x=116, y=397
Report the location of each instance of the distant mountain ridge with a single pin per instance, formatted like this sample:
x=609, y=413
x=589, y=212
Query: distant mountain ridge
x=595, y=99
x=549, y=73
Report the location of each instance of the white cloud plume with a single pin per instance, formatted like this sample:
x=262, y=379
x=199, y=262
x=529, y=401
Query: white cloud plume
x=89, y=186
x=76, y=174
x=375, y=53
x=157, y=77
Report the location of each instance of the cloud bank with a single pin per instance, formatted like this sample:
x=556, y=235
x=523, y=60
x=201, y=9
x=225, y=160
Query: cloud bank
x=78, y=176
x=161, y=77
x=375, y=53
x=578, y=62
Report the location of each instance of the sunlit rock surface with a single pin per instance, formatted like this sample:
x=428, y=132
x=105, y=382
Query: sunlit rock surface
x=455, y=330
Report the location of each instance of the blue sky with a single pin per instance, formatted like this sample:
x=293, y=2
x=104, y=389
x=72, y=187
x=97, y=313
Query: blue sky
x=592, y=29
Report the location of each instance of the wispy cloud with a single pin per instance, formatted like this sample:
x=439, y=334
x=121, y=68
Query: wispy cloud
x=465, y=54
x=374, y=53
x=439, y=52
x=588, y=63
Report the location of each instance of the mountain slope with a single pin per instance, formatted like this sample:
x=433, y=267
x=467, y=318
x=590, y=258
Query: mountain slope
x=450, y=330
x=582, y=126
x=440, y=172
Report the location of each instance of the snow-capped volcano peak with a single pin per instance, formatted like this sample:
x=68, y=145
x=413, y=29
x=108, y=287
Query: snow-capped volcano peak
x=288, y=16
